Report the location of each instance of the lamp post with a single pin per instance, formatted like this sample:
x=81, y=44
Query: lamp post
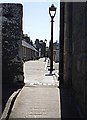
x=52, y=12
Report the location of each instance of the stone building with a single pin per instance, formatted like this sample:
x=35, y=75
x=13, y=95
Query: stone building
x=37, y=46
x=41, y=47
x=73, y=50
x=11, y=29
x=28, y=51
x=56, y=52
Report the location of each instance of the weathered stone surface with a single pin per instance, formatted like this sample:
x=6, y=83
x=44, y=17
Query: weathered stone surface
x=75, y=50
x=79, y=53
x=68, y=43
x=11, y=40
x=0, y=61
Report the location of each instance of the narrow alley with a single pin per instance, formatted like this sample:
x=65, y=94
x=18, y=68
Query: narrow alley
x=40, y=97
x=43, y=54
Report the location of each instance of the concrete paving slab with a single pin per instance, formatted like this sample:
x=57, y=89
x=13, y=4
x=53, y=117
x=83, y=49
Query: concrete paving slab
x=40, y=97
x=37, y=102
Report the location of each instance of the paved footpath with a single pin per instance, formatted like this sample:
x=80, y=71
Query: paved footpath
x=40, y=97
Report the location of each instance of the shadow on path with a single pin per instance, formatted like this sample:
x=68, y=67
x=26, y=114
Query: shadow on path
x=49, y=74
x=7, y=91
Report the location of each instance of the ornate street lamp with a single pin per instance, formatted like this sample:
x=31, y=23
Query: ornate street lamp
x=52, y=12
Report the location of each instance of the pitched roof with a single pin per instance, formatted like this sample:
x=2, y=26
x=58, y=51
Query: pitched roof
x=25, y=44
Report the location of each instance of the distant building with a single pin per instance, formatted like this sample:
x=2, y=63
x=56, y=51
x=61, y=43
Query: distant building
x=28, y=51
x=41, y=47
x=56, y=52
x=37, y=46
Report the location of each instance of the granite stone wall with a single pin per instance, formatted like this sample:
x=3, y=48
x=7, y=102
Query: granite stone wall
x=68, y=43
x=79, y=52
x=75, y=51
x=12, y=66
x=0, y=59
x=61, y=43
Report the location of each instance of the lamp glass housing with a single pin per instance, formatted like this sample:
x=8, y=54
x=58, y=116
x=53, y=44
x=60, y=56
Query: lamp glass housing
x=52, y=11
